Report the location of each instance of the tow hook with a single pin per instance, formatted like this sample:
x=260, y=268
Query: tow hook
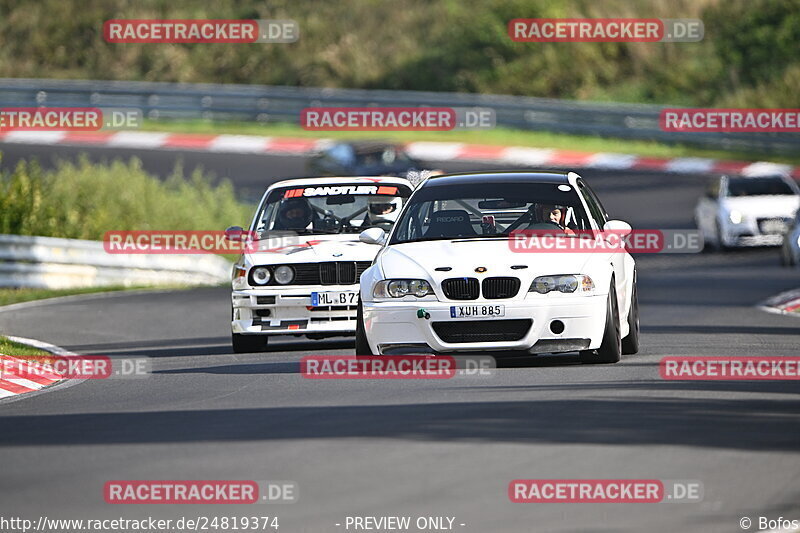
x=422, y=313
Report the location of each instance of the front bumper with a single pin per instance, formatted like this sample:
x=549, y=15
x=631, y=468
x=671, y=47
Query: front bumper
x=748, y=233
x=394, y=326
x=288, y=311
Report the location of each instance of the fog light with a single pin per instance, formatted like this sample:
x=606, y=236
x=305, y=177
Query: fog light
x=557, y=327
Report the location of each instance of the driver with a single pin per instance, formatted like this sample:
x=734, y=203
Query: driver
x=293, y=214
x=555, y=214
x=382, y=210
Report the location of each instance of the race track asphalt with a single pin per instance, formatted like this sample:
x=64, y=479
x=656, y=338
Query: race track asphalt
x=417, y=448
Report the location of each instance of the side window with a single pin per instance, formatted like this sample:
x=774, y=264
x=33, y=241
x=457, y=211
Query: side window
x=712, y=191
x=342, y=154
x=595, y=208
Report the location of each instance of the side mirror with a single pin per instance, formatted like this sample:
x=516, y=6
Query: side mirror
x=236, y=234
x=373, y=236
x=618, y=226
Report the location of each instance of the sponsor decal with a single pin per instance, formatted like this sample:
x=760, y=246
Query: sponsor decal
x=337, y=190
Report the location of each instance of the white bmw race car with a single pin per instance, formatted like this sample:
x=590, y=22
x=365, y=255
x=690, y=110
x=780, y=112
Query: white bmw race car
x=300, y=274
x=447, y=279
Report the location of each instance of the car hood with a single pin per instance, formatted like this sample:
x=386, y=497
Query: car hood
x=763, y=206
x=420, y=259
x=312, y=249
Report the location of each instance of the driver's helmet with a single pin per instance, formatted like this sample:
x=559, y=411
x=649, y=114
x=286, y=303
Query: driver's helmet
x=556, y=214
x=294, y=214
x=385, y=208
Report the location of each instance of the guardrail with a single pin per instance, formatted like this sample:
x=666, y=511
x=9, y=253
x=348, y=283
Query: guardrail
x=283, y=104
x=51, y=263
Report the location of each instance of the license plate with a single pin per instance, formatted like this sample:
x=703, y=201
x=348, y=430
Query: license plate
x=773, y=226
x=477, y=311
x=334, y=298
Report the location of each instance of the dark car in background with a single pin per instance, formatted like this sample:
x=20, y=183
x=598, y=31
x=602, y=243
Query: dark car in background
x=362, y=159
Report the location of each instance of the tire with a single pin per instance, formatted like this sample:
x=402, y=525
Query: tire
x=786, y=256
x=362, y=346
x=610, y=349
x=248, y=343
x=630, y=344
x=719, y=244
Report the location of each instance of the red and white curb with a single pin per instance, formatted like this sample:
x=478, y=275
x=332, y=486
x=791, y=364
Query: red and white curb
x=426, y=151
x=785, y=303
x=16, y=386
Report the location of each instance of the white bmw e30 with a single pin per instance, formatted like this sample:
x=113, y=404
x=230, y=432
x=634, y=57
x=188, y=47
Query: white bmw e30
x=300, y=275
x=446, y=279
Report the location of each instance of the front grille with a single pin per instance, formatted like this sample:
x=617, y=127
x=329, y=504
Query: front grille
x=329, y=273
x=305, y=274
x=774, y=226
x=338, y=273
x=461, y=288
x=458, y=331
x=497, y=288
x=361, y=266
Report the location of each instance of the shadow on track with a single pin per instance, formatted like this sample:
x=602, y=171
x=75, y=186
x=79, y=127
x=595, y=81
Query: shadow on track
x=741, y=424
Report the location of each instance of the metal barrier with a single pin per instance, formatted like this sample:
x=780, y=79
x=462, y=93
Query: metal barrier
x=284, y=104
x=51, y=263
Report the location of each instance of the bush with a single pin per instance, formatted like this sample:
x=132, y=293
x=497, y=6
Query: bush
x=82, y=200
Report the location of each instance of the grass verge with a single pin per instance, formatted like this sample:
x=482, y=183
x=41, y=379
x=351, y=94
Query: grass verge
x=9, y=347
x=497, y=136
x=14, y=296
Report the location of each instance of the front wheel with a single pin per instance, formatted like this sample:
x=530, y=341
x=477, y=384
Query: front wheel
x=610, y=349
x=362, y=346
x=248, y=343
x=630, y=344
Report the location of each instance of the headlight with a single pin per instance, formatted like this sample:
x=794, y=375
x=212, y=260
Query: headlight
x=735, y=216
x=284, y=274
x=260, y=275
x=565, y=283
x=397, y=288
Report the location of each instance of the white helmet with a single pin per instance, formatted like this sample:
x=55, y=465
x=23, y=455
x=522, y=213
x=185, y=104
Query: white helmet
x=384, y=208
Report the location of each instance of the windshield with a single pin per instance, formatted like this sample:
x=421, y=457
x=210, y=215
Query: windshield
x=490, y=210
x=382, y=156
x=758, y=187
x=331, y=208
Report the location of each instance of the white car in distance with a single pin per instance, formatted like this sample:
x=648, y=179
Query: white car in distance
x=739, y=211
x=300, y=276
x=447, y=281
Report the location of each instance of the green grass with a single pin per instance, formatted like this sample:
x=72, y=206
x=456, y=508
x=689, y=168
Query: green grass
x=497, y=136
x=8, y=347
x=13, y=296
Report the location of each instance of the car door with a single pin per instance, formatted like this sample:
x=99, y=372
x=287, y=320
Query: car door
x=622, y=263
x=707, y=208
